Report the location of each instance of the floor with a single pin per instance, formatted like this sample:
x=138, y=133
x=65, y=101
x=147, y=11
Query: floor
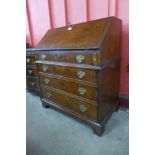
x=52, y=133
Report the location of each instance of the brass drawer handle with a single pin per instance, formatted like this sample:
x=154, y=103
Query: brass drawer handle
x=83, y=108
x=82, y=91
x=32, y=83
x=45, y=68
x=43, y=56
x=79, y=58
x=30, y=71
x=46, y=81
x=81, y=74
x=28, y=60
x=48, y=94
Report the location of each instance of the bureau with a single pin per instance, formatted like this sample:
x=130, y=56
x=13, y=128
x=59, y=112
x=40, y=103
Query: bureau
x=78, y=69
x=32, y=83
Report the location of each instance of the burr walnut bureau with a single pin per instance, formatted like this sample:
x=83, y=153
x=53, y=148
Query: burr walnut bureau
x=32, y=83
x=78, y=69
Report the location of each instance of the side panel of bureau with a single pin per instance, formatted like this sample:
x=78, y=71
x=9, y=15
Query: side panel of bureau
x=109, y=77
x=108, y=88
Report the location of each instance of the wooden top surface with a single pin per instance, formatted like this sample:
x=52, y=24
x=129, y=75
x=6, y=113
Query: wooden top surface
x=88, y=35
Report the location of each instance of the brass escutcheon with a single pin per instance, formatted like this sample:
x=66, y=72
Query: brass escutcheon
x=58, y=54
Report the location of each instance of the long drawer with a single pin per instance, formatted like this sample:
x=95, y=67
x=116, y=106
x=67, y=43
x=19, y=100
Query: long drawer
x=77, y=105
x=69, y=85
x=71, y=72
x=71, y=57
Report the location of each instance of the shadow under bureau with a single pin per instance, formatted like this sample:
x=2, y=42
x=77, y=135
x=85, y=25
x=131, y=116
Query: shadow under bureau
x=78, y=69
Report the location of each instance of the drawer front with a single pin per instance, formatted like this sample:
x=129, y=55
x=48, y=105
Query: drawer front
x=30, y=60
x=74, y=104
x=75, y=73
x=32, y=83
x=69, y=86
x=31, y=71
x=73, y=57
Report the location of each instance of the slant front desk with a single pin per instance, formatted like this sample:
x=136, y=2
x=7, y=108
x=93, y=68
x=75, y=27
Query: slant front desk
x=78, y=69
